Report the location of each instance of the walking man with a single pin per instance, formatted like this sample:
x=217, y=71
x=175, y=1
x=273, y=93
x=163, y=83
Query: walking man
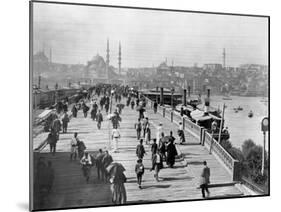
x=85, y=109
x=205, y=180
x=81, y=147
x=157, y=164
x=52, y=141
x=94, y=111
x=115, y=138
x=56, y=127
x=99, y=119
x=140, y=151
x=132, y=104
x=162, y=146
x=74, y=111
x=139, y=169
x=86, y=162
x=138, y=128
x=154, y=148
x=65, y=121
x=99, y=158
x=106, y=160
x=181, y=133
x=155, y=107
x=74, y=146
x=145, y=124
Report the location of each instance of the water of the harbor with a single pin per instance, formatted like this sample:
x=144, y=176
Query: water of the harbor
x=240, y=126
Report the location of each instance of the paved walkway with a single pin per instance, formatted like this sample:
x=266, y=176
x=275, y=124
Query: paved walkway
x=178, y=183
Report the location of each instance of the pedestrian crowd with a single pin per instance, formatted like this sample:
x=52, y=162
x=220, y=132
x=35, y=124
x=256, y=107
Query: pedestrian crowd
x=162, y=147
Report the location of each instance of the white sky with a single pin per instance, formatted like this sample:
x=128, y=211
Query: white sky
x=77, y=33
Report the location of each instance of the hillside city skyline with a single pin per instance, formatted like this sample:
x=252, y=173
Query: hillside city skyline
x=148, y=37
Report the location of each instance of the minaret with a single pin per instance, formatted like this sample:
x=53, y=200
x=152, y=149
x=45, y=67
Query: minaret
x=223, y=57
x=107, y=59
x=50, y=57
x=119, y=58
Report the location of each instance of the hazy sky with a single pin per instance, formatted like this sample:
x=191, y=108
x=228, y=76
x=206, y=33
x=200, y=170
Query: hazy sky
x=77, y=33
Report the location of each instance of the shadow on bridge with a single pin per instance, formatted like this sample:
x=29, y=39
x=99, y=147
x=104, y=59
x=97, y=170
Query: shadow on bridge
x=67, y=187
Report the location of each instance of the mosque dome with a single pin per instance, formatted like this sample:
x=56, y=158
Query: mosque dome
x=96, y=67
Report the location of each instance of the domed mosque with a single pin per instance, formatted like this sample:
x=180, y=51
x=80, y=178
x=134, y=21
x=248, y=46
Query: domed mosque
x=99, y=70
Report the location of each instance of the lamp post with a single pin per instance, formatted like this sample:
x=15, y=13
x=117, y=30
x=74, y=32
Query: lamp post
x=172, y=99
x=221, y=123
x=264, y=128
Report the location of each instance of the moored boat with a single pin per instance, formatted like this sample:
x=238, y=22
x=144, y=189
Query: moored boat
x=250, y=114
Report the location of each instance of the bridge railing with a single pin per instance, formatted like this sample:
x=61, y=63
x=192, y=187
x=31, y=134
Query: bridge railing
x=205, y=138
x=225, y=157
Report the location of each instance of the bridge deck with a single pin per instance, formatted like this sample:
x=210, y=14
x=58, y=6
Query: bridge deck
x=178, y=183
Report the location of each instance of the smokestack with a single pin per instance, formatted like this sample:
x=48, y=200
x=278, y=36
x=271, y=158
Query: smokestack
x=188, y=91
x=207, y=101
x=184, y=97
x=161, y=96
x=39, y=81
x=208, y=92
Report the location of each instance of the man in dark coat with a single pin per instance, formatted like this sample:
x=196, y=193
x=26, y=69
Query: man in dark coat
x=141, y=113
x=52, y=141
x=162, y=146
x=138, y=127
x=99, y=119
x=132, y=104
x=154, y=148
x=65, y=121
x=81, y=148
x=128, y=101
x=205, y=179
x=100, y=171
x=106, y=106
x=56, y=127
x=140, y=151
x=65, y=107
x=106, y=160
x=85, y=109
x=94, y=111
x=74, y=111
x=155, y=107
x=115, y=120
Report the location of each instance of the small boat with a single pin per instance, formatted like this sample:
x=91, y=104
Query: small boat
x=238, y=108
x=236, y=111
x=250, y=114
x=226, y=97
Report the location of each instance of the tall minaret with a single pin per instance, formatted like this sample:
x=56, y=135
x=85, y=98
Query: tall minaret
x=107, y=59
x=119, y=58
x=223, y=57
x=50, y=57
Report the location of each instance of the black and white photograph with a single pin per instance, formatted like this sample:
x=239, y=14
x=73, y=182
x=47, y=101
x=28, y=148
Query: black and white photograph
x=134, y=105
